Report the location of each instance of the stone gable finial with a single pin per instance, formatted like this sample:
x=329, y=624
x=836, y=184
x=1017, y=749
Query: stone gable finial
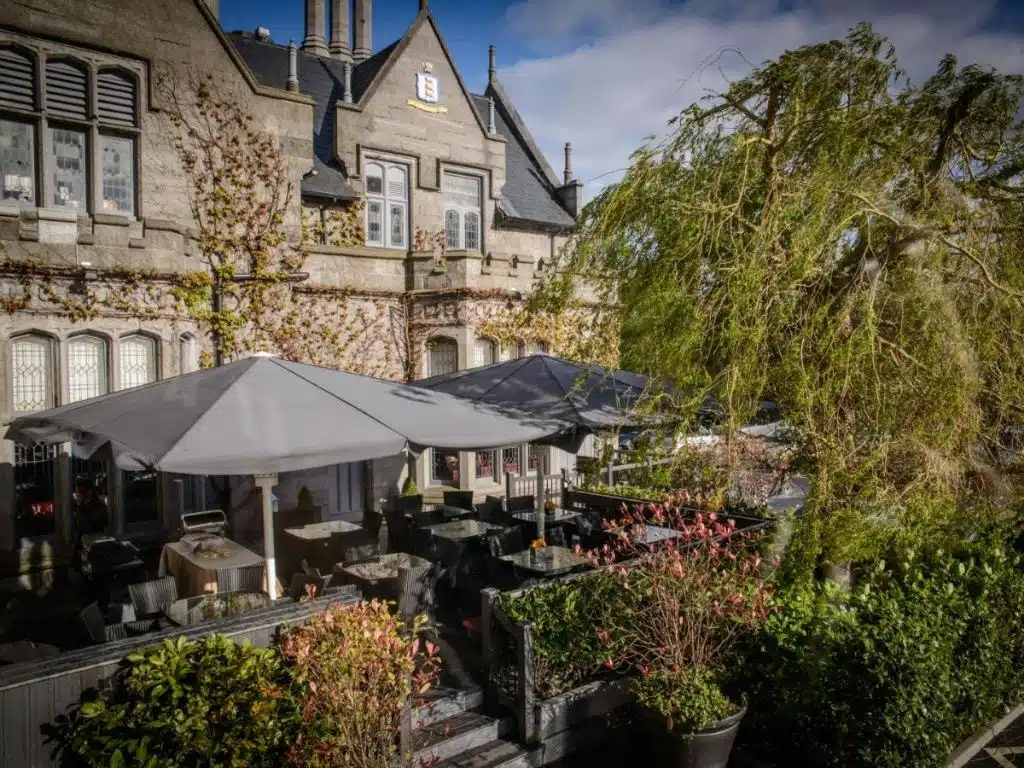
x=292, y=84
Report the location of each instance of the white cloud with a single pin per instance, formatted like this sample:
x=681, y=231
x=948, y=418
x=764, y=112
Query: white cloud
x=606, y=96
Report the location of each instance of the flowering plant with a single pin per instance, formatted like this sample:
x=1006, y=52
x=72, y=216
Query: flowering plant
x=683, y=605
x=538, y=544
x=355, y=667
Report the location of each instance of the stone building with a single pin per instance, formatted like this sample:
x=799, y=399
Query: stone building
x=424, y=209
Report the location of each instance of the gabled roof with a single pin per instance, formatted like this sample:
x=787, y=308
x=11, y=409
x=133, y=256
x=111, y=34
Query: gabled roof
x=528, y=197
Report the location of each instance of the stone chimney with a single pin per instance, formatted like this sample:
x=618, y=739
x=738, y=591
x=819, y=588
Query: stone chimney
x=292, y=84
x=316, y=26
x=571, y=192
x=341, y=30
x=424, y=6
x=491, y=70
x=364, y=30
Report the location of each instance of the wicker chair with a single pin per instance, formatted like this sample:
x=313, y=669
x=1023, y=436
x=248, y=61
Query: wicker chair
x=149, y=597
x=491, y=511
x=398, y=529
x=520, y=504
x=460, y=499
x=248, y=578
x=555, y=536
x=415, y=590
x=352, y=546
x=101, y=632
x=301, y=580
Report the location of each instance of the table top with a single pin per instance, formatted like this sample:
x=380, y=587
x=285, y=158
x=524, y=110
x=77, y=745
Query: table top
x=559, y=516
x=446, y=510
x=458, y=530
x=317, y=531
x=651, y=534
x=232, y=555
x=385, y=566
x=26, y=650
x=549, y=561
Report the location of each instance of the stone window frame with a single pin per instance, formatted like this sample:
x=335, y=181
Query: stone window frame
x=386, y=200
x=457, y=211
x=153, y=353
x=93, y=62
x=60, y=391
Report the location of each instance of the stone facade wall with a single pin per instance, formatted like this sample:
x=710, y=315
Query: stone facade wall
x=365, y=288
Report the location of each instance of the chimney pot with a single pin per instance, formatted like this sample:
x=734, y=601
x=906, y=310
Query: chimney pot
x=263, y=34
x=568, y=162
x=316, y=25
x=364, y=30
x=424, y=5
x=490, y=64
x=293, y=68
x=341, y=30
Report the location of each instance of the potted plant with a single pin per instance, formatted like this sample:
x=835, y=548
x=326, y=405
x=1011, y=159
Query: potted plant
x=709, y=583
x=409, y=487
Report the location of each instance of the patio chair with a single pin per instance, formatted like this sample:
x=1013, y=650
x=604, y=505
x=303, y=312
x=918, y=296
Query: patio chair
x=409, y=505
x=490, y=511
x=150, y=597
x=505, y=542
x=555, y=536
x=248, y=578
x=415, y=590
x=100, y=632
x=520, y=504
x=351, y=547
x=460, y=499
x=301, y=580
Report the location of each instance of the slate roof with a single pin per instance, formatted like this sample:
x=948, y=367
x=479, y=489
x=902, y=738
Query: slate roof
x=528, y=197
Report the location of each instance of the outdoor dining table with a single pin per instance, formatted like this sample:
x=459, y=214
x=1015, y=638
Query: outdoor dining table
x=314, y=544
x=195, y=572
x=461, y=530
x=547, y=561
x=446, y=511
x=554, y=518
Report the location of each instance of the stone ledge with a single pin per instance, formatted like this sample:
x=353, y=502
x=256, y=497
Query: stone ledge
x=463, y=256
x=358, y=252
x=86, y=238
x=163, y=225
x=112, y=219
x=56, y=214
x=136, y=242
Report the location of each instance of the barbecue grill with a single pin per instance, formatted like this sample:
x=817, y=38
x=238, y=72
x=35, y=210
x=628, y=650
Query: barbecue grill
x=210, y=523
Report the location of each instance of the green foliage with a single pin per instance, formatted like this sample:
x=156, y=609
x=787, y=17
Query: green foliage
x=305, y=499
x=355, y=668
x=627, y=490
x=690, y=700
x=189, y=705
x=566, y=619
x=897, y=671
x=409, y=487
x=827, y=235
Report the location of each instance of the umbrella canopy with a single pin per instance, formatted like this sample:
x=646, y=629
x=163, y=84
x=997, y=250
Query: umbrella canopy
x=580, y=398
x=265, y=415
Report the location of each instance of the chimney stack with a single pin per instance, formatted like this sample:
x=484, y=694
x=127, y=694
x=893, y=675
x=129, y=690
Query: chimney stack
x=490, y=65
x=571, y=192
x=347, y=71
x=424, y=5
x=491, y=128
x=341, y=31
x=364, y=30
x=293, y=68
x=316, y=25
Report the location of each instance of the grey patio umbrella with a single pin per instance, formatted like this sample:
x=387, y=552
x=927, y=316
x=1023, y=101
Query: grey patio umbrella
x=261, y=415
x=581, y=399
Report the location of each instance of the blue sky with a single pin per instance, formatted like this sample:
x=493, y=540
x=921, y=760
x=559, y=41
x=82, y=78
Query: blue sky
x=604, y=74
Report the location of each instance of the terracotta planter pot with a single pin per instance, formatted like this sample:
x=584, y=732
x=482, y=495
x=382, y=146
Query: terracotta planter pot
x=707, y=748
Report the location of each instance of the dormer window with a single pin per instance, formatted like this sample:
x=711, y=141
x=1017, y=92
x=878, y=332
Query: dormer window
x=387, y=205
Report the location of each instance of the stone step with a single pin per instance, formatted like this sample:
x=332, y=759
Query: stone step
x=442, y=702
x=455, y=735
x=494, y=754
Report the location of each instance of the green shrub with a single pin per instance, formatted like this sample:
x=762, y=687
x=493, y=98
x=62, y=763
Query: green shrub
x=566, y=619
x=895, y=672
x=689, y=700
x=207, y=704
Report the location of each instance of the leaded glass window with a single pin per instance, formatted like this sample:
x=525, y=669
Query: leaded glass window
x=462, y=202
x=32, y=374
x=69, y=169
x=118, y=159
x=17, y=162
x=87, y=368
x=387, y=204
x=138, y=361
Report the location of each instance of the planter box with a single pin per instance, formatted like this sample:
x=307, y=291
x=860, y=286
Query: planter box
x=568, y=710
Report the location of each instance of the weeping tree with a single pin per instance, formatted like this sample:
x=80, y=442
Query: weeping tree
x=830, y=236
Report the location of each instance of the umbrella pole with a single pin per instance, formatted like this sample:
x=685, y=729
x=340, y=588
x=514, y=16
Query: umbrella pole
x=538, y=500
x=266, y=485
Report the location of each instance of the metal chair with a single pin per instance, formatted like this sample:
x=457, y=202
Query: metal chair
x=460, y=499
x=248, y=578
x=149, y=597
x=490, y=511
x=100, y=632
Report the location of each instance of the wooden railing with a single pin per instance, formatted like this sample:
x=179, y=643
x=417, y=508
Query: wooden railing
x=526, y=485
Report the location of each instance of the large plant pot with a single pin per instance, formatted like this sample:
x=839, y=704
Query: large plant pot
x=707, y=748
